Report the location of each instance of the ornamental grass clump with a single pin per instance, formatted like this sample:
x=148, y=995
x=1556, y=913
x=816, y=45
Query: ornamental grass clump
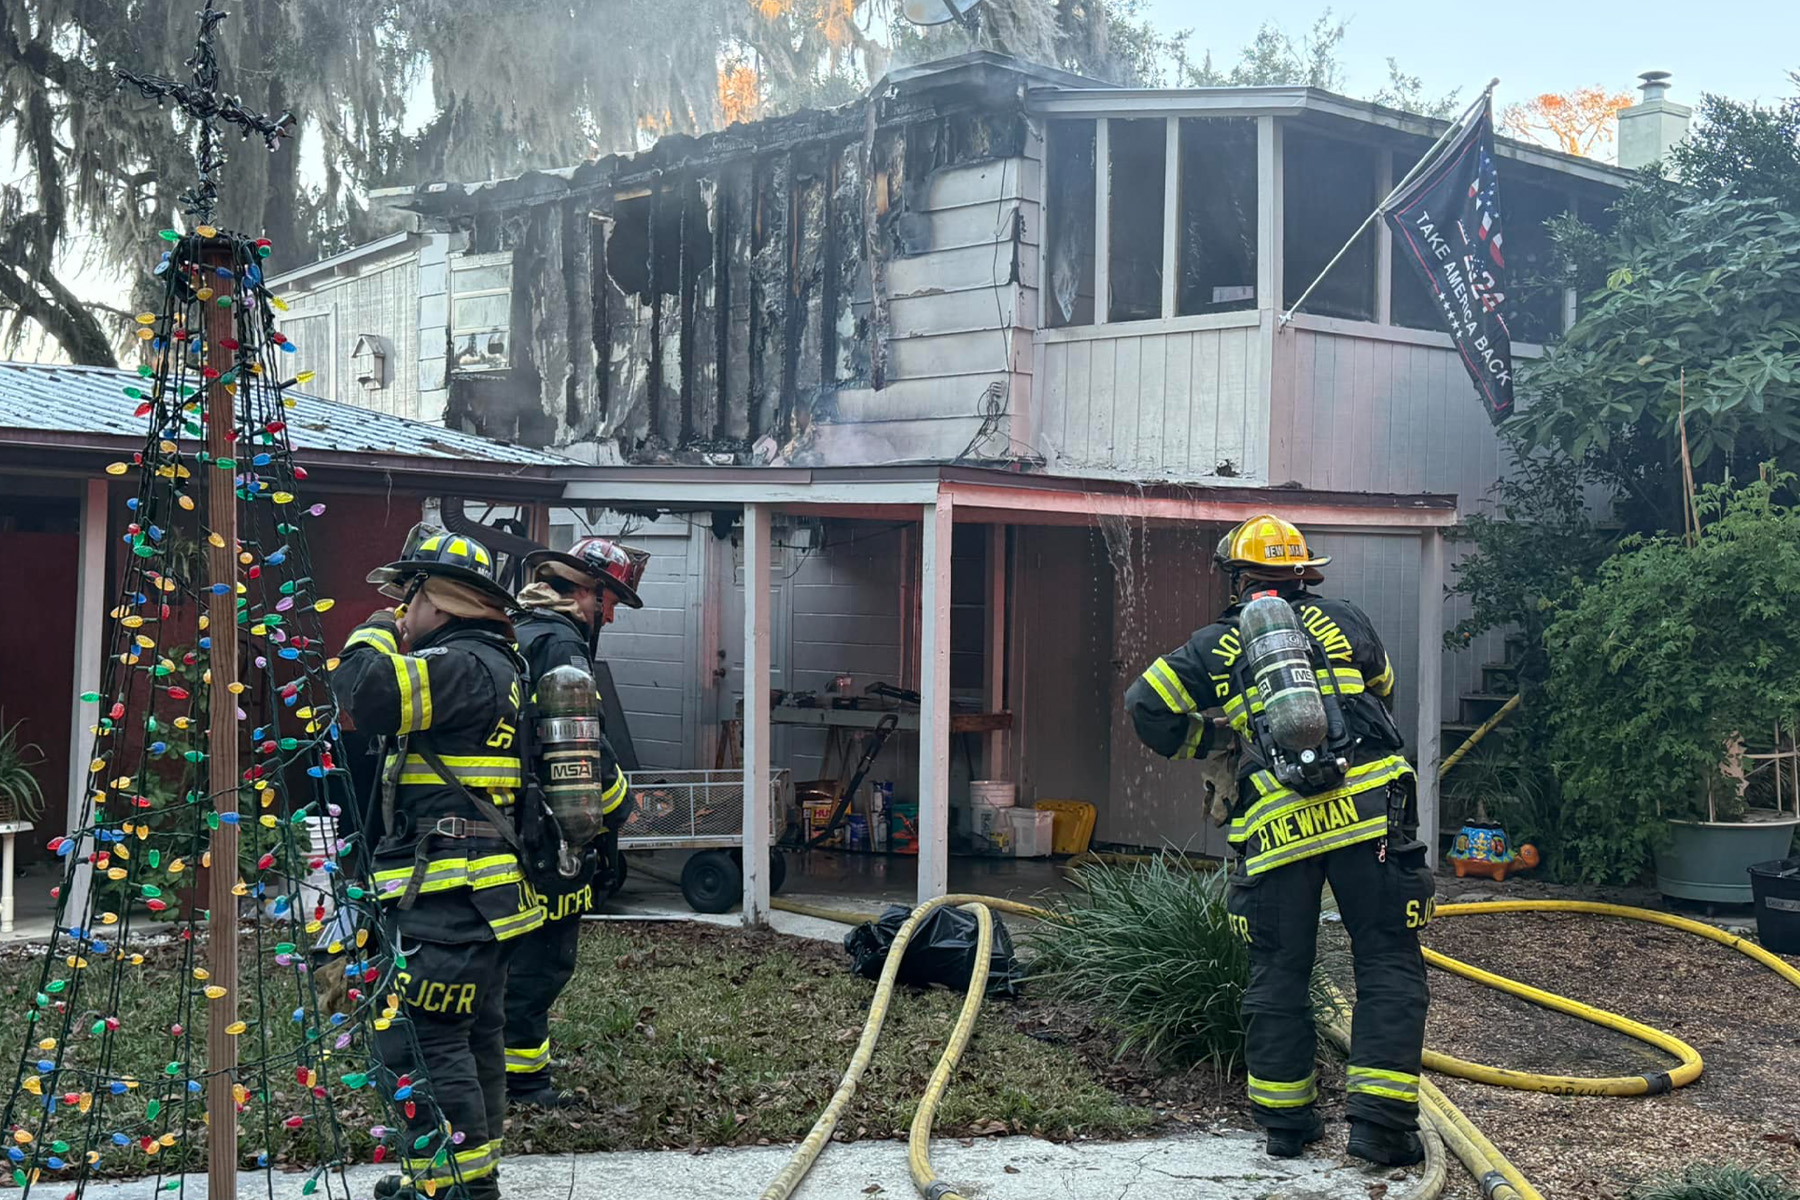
x=1150, y=949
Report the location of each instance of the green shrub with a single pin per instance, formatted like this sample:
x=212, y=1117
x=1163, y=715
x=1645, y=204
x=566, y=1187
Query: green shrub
x=1706, y=1181
x=1150, y=948
x=1664, y=656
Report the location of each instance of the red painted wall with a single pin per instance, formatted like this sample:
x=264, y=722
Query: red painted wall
x=37, y=640
x=356, y=534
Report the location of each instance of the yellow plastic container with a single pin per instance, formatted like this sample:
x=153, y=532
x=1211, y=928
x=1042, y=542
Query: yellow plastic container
x=1074, y=825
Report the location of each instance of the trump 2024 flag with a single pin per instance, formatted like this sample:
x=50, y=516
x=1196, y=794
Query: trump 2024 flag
x=1447, y=223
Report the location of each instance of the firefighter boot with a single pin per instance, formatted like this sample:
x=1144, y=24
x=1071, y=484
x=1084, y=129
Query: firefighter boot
x=543, y=1096
x=1385, y=1145
x=1292, y=1143
x=391, y=1187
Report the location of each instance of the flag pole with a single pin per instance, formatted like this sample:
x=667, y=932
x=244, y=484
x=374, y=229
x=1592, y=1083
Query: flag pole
x=1419, y=167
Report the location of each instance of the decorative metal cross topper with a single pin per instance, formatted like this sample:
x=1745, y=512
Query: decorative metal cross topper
x=201, y=100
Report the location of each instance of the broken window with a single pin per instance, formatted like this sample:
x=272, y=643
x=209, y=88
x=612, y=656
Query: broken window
x=1135, y=176
x=1216, y=253
x=1328, y=189
x=481, y=313
x=1070, y=156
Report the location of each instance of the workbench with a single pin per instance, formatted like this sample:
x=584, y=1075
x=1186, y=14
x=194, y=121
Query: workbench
x=868, y=718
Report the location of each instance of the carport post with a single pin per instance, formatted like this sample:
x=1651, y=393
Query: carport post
x=756, y=714
x=1431, y=671
x=934, y=702
x=90, y=630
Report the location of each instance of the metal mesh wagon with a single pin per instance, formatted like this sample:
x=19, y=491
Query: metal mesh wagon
x=694, y=810
x=703, y=811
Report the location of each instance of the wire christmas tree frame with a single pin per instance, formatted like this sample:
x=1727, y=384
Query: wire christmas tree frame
x=213, y=775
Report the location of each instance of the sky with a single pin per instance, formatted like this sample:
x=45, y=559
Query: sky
x=1739, y=48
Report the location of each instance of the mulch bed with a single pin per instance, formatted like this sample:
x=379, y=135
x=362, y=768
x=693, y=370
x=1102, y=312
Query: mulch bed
x=1742, y=1018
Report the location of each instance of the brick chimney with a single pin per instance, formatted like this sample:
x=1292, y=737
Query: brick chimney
x=1651, y=127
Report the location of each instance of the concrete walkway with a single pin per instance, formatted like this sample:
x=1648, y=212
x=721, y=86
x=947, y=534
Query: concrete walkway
x=1194, y=1166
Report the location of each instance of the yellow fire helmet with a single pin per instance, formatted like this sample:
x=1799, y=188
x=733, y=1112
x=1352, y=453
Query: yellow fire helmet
x=1270, y=547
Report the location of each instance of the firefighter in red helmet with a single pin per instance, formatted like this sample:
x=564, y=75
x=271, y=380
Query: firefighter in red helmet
x=568, y=598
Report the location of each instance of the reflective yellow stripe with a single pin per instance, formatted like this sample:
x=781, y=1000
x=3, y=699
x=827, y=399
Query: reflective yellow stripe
x=472, y=770
x=424, y=691
x=403, y=680
x=1350, y=835
x=1161, y=677
x=373, y=635
x=615, y=794
x=526, y=1062
x=414, y=677
x=443, y=874
x=1271, y=1094
x=1191, y=747
x=1372, y=1081
x=465, y=1165
x=1276, y=801
x=518, y=924
x=1383, y=683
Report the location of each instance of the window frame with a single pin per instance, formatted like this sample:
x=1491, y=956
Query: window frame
x=1270, y=209
x=1171, y=234
x=468, y=263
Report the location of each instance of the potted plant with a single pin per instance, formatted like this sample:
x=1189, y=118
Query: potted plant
x=1663, y=665
x=21, y=795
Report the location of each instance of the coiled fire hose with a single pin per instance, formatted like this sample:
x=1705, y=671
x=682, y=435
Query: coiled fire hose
x=1499, y=1178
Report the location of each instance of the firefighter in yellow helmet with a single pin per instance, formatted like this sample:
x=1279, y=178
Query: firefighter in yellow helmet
x=1357, y=832
x=439, y=682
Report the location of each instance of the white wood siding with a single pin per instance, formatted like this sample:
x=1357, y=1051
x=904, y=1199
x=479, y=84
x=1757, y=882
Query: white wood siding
x=1361, y=414
x=650, y=649
x=1364, y=414
x=383, y=300
x=1180, y=405
x=960, y=315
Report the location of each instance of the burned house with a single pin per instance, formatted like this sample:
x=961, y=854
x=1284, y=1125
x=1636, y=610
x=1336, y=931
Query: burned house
x=990, y=324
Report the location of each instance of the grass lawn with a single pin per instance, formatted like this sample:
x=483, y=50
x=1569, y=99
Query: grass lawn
x=680, y=1036
x=692, y=1035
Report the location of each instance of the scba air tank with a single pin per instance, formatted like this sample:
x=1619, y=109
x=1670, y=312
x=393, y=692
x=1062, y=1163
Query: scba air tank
x=1279, y=656
x=569, y=764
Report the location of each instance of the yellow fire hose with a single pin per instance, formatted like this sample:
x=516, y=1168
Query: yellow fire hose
x=1499, y=1178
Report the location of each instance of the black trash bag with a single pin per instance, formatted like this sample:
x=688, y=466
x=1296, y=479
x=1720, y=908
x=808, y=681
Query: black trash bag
x=942, y=950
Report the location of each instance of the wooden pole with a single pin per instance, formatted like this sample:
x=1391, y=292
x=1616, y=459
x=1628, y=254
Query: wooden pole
x=222, y=736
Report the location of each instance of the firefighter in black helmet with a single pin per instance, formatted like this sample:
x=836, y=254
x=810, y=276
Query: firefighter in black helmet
x=1359, y=834
x=438, y=680
x=568, y=599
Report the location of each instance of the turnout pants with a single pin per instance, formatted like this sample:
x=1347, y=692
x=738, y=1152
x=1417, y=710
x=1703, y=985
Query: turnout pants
x=542, y=969
x=451, y=1050
x=1384, y=904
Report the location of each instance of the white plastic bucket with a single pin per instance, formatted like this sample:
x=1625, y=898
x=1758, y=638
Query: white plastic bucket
x=995, y=793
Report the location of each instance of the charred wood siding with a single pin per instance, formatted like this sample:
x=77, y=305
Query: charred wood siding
x=687, y=305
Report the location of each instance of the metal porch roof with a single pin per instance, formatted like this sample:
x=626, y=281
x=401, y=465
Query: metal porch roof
x=57, y=399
